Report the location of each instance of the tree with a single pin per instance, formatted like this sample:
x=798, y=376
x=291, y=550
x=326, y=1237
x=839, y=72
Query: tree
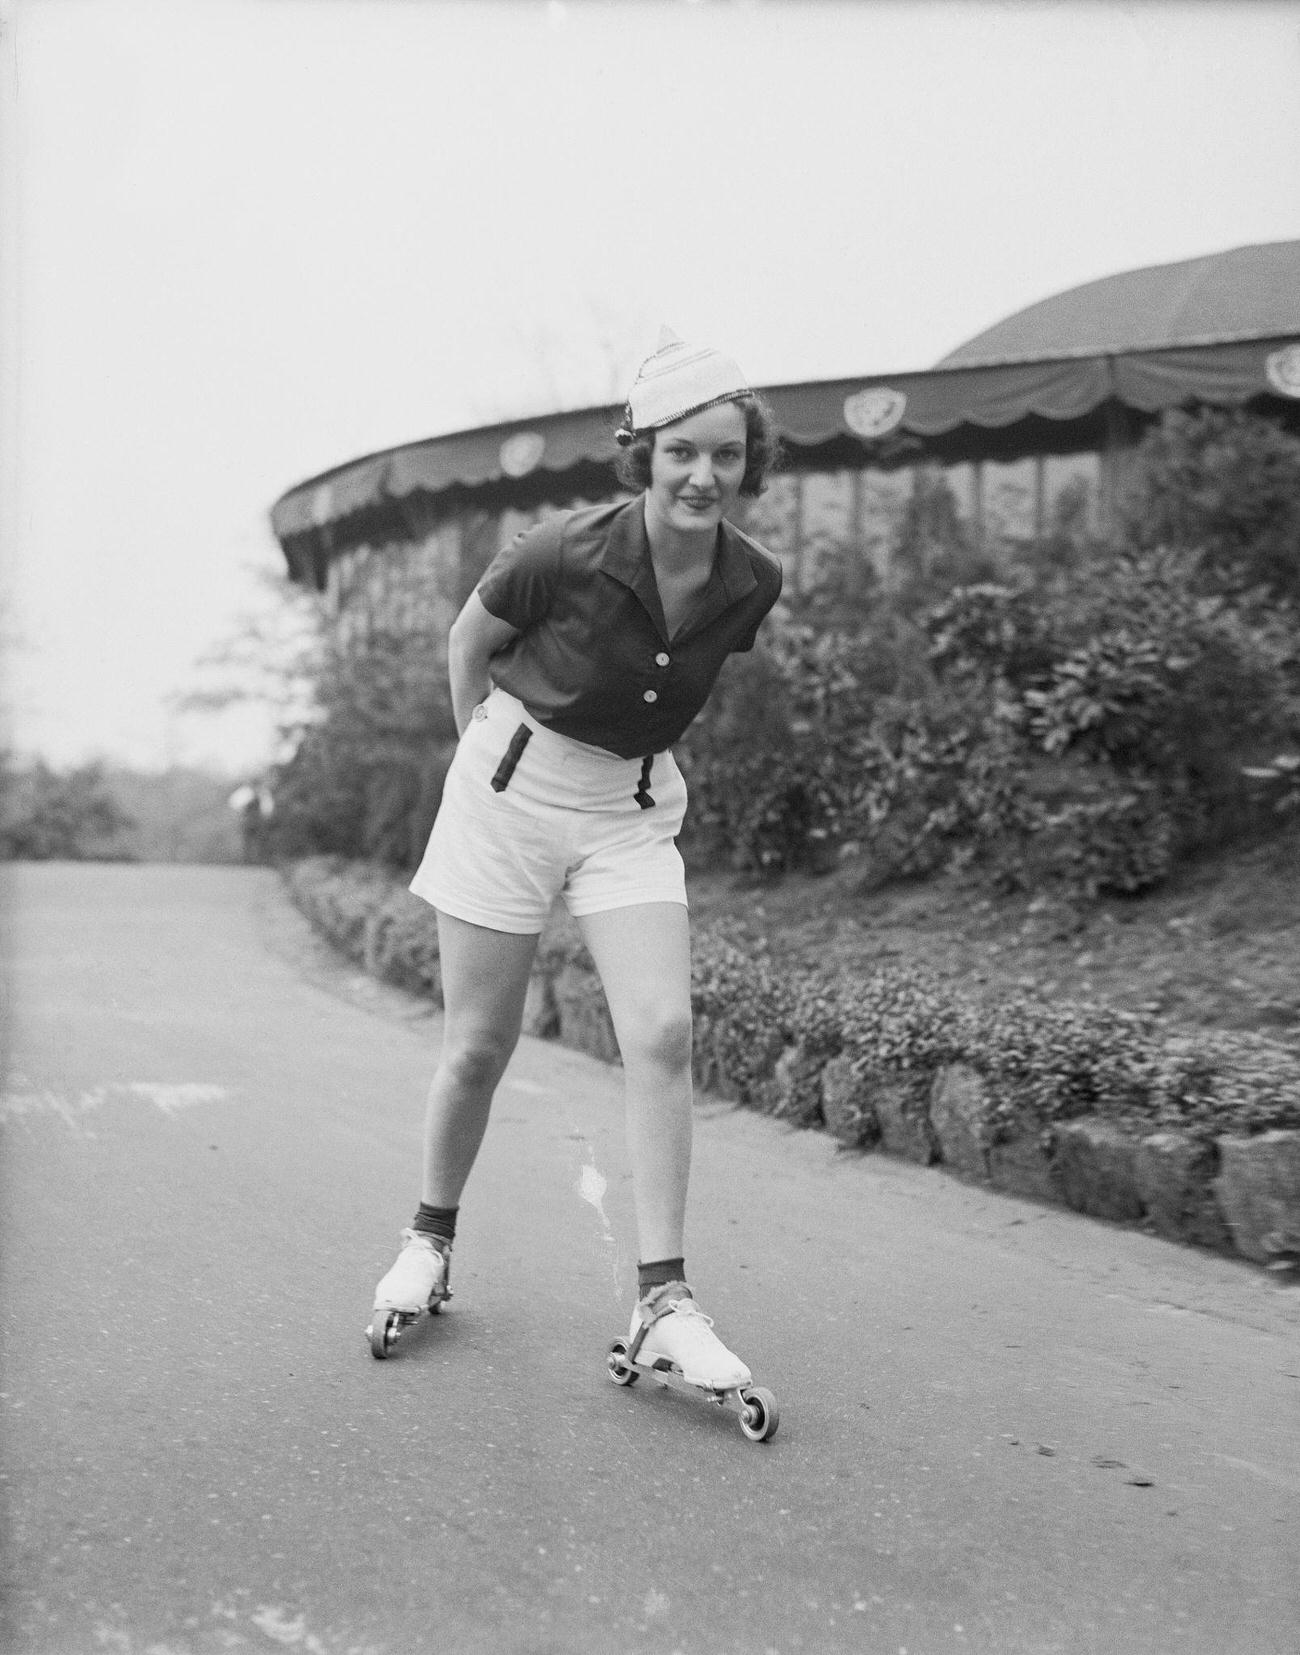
x=46, y=815
x=365, y=778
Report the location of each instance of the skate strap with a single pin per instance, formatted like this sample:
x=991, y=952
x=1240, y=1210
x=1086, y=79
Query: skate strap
x=651, y=1310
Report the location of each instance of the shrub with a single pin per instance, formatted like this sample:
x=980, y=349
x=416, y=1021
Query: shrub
x=339, y=896
x=366, y=775
x=1226, y=487
x=1222, y=1081
x=53, y=815
x=904, y=1019
x=372, y=918
x=991, y=633
x=743, y=1007
x=1278, y=782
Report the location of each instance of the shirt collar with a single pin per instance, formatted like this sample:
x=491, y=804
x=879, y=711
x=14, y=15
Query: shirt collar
x=626, y=556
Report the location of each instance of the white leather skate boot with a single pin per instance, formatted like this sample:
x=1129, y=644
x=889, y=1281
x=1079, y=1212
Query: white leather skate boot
x=675, y=1327
x=418, y=1280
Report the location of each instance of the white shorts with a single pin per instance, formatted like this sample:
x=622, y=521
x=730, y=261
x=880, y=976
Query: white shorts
x=562, y=820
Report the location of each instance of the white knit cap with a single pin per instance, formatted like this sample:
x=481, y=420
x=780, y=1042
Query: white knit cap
x=680, y=379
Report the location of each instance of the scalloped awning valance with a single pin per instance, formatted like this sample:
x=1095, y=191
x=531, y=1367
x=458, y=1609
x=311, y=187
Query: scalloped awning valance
x=868, y=414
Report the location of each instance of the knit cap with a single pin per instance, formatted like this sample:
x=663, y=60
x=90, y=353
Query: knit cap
x=680, y=379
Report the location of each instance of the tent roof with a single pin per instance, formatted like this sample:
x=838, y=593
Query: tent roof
x=1245, y=293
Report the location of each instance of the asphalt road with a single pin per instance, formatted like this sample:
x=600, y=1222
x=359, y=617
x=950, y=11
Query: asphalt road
x=1003, y=1428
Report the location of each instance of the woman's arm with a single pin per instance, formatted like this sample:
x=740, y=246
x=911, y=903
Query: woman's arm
x=476, y=636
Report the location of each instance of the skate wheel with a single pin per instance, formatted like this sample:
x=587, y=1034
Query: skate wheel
x=385, y=1325
x=759, y=1416
x=621, y=1370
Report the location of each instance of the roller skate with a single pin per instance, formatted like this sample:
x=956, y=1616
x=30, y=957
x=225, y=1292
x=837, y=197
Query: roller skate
x=417, y=1285
x=672, y=1339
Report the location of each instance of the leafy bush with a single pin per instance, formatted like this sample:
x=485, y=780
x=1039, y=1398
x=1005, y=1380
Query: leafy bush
x=52, y=815
x=340, y=896
x=1278, y=782
x=366, y=776
x=1082, y=727
x=742, y=1006
x=991, y=632
x=1225, y=486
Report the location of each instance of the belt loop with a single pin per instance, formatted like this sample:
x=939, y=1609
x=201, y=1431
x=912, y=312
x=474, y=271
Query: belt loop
x=501, y=780
x=642, y=794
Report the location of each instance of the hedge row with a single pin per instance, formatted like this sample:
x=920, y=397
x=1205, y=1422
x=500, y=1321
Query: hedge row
x=1095, y=1108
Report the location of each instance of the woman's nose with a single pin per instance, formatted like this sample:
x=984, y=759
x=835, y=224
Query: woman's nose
x=702, y=471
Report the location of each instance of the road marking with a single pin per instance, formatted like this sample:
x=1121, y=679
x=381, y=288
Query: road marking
x=1278, y=1479
x=592, y=1185
x=272, y=1621
x=169, y=1097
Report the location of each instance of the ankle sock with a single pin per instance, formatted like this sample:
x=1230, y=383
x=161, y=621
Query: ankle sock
x=439, y=1222
x=658, y=1274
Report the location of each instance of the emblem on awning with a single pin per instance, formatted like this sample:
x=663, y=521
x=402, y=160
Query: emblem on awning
x=1283, y=370
x=521, y=453
x=322, y=504
x=874, y=412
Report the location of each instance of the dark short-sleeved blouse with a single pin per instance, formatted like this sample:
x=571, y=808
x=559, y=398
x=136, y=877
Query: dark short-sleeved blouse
x=593, y=659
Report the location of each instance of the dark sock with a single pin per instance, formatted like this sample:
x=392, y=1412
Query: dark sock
x=657, y=1274
x=436, y=1221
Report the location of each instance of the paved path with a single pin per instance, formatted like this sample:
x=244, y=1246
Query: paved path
x=1003, y=1429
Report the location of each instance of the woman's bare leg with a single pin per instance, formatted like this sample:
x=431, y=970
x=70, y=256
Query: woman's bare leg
x=484, y=983
x=643, y=955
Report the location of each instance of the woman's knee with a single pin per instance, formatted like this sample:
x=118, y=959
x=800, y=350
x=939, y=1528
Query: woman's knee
x=476, y=1060
x=661, y=1037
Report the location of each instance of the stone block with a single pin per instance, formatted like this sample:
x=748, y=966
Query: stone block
x=959, y=1114
x=704, y=1063
x=583, y=1013
x=722, y=1082
x=1096, y=1164
x=846, y=1105
x=795, y=1090
x=899, y=1103
x=541, y=1013
x=1025, y=1164
x=746, y=1062
x=1175, y=1178
x=1258, y=1190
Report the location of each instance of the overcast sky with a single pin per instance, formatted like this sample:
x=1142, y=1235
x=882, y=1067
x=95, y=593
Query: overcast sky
x=246, y=240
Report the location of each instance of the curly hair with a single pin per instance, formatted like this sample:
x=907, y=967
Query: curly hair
x=762, y=448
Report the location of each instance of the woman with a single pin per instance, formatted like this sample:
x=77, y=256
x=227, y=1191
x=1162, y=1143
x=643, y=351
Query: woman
x=588, y=647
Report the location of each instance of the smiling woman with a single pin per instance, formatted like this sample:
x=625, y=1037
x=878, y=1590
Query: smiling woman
x=587, y=649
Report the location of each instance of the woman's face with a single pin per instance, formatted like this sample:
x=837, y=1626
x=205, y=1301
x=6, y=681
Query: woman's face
x=696, y=469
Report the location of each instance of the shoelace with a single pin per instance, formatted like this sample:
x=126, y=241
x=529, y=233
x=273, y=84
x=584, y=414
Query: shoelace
x=688, y=1307
x=699, y=1327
